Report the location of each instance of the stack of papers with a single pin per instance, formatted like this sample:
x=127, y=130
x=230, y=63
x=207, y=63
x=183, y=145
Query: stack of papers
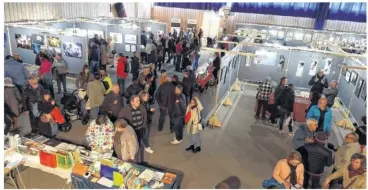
x=13, y=159
x=147, y=175
x=105, y=182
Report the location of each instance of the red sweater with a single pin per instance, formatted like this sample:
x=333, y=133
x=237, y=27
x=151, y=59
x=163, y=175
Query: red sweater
x=45, y=66
x=120, y=69
x=179, y=48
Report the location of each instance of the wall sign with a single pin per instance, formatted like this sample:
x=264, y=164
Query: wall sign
x=191, y=24
x=175, y=25
x=130, y=38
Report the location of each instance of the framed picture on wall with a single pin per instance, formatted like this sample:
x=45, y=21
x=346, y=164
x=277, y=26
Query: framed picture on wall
x=359, y=86
x=347, y=76
x=23, y=41
x=53, y=41
x=72, y=49
x=354, y=77
x=38, y=39
x=36, y=48
x=344, y=69
x=116, y=37
x=313, y=67
x=363, y=92
x=130, y=38
x=133, y=48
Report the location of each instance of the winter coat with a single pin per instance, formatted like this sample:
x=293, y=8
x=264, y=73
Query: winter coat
x=300, y=135
x=187, y=85
x=95, y=92
x=83, y=80
x=344, y=153
x=112, y=103
x=31, y=96
x=217, y=63
x=109, y=49
x=282, y=172
x=134, y=65
x=45, y=69
x=287, y=99
x=133, y=89
x=330, y=94
x=359, y=180
x=61, y=66
x=318, y=83
x=177, y=110
x=164, y=95
x=148, y=107
x=315, y=157
x=94, y=54
x=104, y=56
x=126, y=113
x=315, y=113
x=195, y=117
x=13, y=100
x=278, y=91
x=16, y=71
x=126, y=144
x=120, y=69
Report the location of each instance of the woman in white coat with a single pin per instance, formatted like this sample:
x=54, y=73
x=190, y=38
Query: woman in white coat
x=193, y=124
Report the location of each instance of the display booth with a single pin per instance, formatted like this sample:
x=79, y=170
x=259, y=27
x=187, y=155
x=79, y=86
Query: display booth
x=71, y=37
x=175, y=25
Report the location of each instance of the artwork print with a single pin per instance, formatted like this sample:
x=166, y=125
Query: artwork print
x=116, y=37
x=354, y=77
x=91, y=33
x=38, y=39
x=347, y=76
x=313, y=67
x=281, y=63
x=36, y=48
x=23, y=41
x=359, y=86
x=299, y=69
x=328, y=63
x=71, y=49
x=265, y=58
x=344, y=69
x=53, y=41
x=363, y=93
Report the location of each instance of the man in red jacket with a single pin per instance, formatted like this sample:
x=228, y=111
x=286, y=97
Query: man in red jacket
x=122, y=71
x=179, y=50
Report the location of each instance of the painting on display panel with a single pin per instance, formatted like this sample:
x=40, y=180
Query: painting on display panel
x=313, y=67
x=328, y=63
x=358, y=88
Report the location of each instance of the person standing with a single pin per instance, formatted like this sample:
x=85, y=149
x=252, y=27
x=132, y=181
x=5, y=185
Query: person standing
x=149, y=49
x=112, y=103
x=315, y=158
x=314, y=100
x=305, y=133
x=125, y=141
x=162, y=78
x=136, y=116
x=164, y=97
x=278, y=90
x=94, y=57
x=264, y=91
x=135, y=65
x=122, y=71
x=84, y=78
x=133, y=89
x=104, y=56
x=322, y=114
x=30, y=98
x=286, y=103
x=187, y=83
x=177, y=112
x=100, y=134
x=318, y=82
x=110, y=49
x=17, y=72
x=290, y=171
x=62, y=69
x=172, y=49
x=95, y=92
x=12, y=100
x=144, y=98
x=331, y=93
x=362, y=133
x=161, y=58
x=106, y=80
x=344, y=153
x=178, y=52
x=46, y=73
x=353, y=175
x=216, y=64
x=167, y=48
x=193, y=124
x=143, y=75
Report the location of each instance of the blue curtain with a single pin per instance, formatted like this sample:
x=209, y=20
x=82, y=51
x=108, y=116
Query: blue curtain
x=324, y=9
x=356, y=12
x=284, y=9
x=200, y=6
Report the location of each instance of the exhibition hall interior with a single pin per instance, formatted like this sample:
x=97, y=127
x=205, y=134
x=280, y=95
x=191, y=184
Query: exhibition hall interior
x=191, y=95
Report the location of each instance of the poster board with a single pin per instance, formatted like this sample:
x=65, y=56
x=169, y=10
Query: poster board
x=192, y=24
x=175, y=25
x=130, y=38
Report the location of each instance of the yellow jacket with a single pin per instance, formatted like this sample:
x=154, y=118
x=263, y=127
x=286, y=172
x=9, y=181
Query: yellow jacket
x=109, y=81
x=359, y=183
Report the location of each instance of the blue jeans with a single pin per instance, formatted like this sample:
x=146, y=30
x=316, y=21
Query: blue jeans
x=121, y=83
x=93, y=113
x=178, y=124
x=146, y=136
x=194, y=139
x=94, y=66
x=195, y=64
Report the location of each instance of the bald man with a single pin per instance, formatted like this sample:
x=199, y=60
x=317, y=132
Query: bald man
x=322, y=114
x=331, y=93
x=318, y=82
x=112, y=103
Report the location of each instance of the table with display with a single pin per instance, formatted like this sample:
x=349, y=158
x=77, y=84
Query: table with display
x=32, y=158
x=10, y=170
x=300, y=105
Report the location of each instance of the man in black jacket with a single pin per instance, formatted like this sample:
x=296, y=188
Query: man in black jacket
x=94, y=58
x=187, y=83
x=286, y=104
x=318, y=82
x=112, y=103
x=216, y=66
x=177, y=112
x=315, y=157
x=133, y=89
x=30, y=97
x=134, y=68
x=164, y=95
x=278, y=90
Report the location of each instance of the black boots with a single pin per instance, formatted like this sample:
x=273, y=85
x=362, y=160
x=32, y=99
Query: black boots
x=191, y=147
x=194, y=150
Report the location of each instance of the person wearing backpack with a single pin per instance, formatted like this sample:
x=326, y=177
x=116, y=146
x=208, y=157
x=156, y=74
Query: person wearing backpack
x=122, y=71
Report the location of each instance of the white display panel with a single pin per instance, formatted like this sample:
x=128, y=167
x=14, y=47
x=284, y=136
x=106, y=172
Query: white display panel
x=130, y=38
x=116, y=37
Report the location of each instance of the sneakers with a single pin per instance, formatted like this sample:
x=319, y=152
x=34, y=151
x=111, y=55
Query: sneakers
x=149, y=150
x=280, y=131
x=176, y=141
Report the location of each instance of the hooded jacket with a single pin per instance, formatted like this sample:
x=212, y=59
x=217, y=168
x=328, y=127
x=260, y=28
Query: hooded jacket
x=120, y=68
x=315, y=113
x=16, y=71
x=195, y=117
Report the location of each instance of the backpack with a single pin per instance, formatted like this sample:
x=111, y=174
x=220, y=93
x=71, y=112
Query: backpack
x=126, y=66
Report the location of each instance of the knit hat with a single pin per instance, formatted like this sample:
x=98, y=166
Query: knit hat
x=8, y=82
x=320, y=136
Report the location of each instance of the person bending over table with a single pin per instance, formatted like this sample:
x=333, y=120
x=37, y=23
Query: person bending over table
x=322, y=114
x=100, y=134
x=125, y=141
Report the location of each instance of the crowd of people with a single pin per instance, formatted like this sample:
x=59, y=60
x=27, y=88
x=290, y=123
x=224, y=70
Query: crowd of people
x=305, y=166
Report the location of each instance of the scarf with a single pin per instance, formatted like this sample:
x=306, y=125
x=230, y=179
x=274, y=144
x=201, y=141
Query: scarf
x=293, y=177
x=353, y=173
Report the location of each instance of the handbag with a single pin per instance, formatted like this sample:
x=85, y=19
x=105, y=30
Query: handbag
x=272, y=182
